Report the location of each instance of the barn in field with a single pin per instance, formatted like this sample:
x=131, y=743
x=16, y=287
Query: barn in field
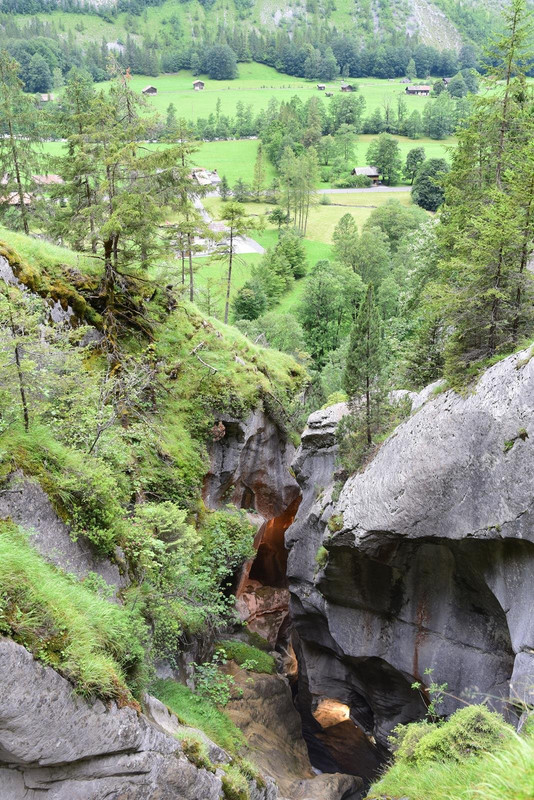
x=198, y=85
x=149, y=90
x=424, y=91
x=368, y=172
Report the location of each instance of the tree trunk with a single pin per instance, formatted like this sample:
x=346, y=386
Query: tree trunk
x=18, y=179
x=229, y=282
x=22, y=390
x=190, y=256
x=495, y=308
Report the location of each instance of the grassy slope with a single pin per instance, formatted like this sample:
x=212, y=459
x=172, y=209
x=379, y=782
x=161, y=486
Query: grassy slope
x=506, y=774
x=65, y=625
x=256, y=85
x=265, y=14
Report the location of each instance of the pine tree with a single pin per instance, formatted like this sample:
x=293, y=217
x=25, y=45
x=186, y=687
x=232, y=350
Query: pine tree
x=259, y=175
x=487, y=223
x=237, y=224
x=363, y=373
x=19, y=121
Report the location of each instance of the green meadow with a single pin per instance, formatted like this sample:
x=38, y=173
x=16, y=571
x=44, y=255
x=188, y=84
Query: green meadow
x=255, y=86
x=235, y=158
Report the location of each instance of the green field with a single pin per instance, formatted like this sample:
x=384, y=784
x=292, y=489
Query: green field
x=322, y=219
x=235, y=158
x=255, y=86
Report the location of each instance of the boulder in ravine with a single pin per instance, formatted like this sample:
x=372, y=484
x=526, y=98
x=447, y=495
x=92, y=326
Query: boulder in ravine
x=428, y=561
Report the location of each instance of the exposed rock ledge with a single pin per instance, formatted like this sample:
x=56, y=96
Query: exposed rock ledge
x=55, y=746
x=433, y=563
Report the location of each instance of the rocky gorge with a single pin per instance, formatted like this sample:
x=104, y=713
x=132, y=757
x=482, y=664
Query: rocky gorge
x=420, y=566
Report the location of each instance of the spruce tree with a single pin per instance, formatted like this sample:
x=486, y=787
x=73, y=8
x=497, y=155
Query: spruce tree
x=487, y=222
x=19, y=160
x=363, y=373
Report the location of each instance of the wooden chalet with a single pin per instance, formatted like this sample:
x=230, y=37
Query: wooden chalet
x=150, y=90
x=369, y=172
x=198, y=85
x=424, y=91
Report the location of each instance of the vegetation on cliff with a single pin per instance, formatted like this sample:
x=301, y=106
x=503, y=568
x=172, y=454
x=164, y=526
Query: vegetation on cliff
x=473, y=755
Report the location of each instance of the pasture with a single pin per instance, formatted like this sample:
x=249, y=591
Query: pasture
x=255, y=86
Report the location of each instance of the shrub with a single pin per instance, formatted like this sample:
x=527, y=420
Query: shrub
x=469, y=731
x=321, y=557
x=234, y=783
x=195, y=750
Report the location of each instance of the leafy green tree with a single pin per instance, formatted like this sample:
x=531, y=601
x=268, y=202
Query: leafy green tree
x=38, y=77
x=457, y=86
x=18, y=157
x=220, y=62
x=345, y=241
x=411, y=71
x=484, y=289
x=279, y=217
x=414, y=159
x=259, y=175
x=250, y=301
x=363, y=373
x=330, y=294
x=384, y=154
x=413, y=126
x=241, y=191
x=439, y=117
x=427, y=190
x=224, y=189
x=299, y=176
x=395, y=220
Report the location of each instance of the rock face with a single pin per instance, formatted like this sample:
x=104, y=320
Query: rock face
x=430, y=560
x=250, y=462
x=268, y=718
x=25, y=502
x=55, y=746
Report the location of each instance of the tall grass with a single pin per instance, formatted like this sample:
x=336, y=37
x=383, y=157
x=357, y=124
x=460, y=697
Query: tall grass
x=196, y=711
x=94, y=643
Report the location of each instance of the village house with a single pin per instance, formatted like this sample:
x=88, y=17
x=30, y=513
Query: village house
x=198, y=85
x=149, y=90
x=47, y=98
x=13, y=199
x=321, y=87
x=421, y=90
x=48, y=180
x=205, y=177
x=369, y=172
x=347, y=87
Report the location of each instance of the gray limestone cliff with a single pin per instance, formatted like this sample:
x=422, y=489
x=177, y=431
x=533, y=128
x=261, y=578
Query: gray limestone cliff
x=429, y=561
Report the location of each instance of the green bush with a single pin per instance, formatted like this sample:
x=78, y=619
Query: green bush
x=195, y=750
x=470, y=731
x=321, y=557
x=94, y=643
x=251, y=658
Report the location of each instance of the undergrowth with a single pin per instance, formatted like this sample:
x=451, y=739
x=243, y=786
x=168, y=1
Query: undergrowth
x=475, y=755
x=96, y=644
x=198, y=712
